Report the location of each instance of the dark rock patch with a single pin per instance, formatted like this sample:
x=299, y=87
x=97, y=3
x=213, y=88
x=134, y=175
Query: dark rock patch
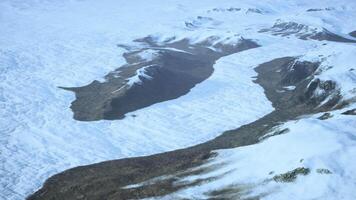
x=319, y=9
x=304, y=32
x=299, y=71
x=314, y=9
x=323, y=171
x=290, y=28
x=353, y=34
x=275, y=133
x=176, y=69
x=173, y=77
x=350, y=112
x=291, y=175
x=322, y=93
x=254, y=10
x=329, y=36
x=198, y=22
x=325, y=116
x=231, y=9
x=233, y=192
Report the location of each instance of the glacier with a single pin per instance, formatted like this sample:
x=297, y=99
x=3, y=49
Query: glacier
x=45, y=44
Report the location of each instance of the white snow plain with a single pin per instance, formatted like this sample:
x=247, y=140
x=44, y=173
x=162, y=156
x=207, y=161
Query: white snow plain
x=49, y=43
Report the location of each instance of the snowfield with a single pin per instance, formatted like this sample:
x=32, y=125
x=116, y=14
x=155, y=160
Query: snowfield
x=324, y=147
x=45, y=44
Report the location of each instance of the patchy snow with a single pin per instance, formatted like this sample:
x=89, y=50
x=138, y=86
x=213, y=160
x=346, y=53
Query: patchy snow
x=148, y=54
x=170, y=49
x=338, y=63
x=136, y=79
x=291, y=87
x=49, y=43
x=318, y=145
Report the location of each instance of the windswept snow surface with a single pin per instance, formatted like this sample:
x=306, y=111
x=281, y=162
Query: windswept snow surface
x=49, y=43
x=325, y=147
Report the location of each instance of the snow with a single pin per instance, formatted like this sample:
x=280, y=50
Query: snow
x=136, y=79
x=311, y=143
x=49, y=43
x=45, y=141
x=338, y=64
x=291, y=87
x=148, y=54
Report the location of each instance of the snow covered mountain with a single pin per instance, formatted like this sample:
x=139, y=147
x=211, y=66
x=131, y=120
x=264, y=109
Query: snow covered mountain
x=177, y=99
